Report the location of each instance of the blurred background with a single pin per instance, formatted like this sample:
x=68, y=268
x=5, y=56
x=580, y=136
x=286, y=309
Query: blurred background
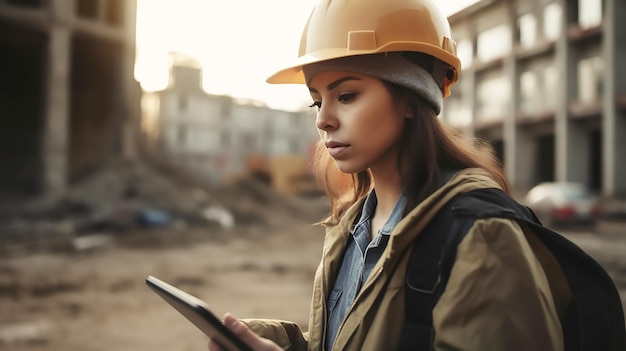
x=138, y=137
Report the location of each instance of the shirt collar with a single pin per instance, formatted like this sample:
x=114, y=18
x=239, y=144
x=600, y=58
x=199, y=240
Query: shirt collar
x=369, y=206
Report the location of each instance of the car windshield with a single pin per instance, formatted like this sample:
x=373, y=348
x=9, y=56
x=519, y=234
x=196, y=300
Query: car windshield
x=559, y=191
x=575, y=192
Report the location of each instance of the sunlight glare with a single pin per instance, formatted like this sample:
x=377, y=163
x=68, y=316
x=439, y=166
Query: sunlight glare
x=239, y=42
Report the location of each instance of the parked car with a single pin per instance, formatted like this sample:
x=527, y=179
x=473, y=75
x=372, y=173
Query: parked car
x=563, y=203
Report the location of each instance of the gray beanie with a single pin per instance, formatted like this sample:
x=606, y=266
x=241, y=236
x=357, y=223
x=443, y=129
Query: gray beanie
x=391, y=67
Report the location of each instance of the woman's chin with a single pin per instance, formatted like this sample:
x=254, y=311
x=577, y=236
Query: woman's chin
x=347, y=167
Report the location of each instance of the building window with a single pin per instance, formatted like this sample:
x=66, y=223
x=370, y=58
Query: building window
x=538, y=89
x=87, y=8
x=493, y=95
x=493, y=43
x=465, y=52
x=589, y=13
x=457, y=112
x=551, y=86
x=552, y=17
x=590, y=71
x=530, y=95
x=115, y=12
x=183, y=103
x=527, y=30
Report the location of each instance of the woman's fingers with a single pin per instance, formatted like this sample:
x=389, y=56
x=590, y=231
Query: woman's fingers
x=213, y=346
x=253, y=340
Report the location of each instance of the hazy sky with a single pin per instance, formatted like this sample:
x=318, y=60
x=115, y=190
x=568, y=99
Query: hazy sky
x=238, y=42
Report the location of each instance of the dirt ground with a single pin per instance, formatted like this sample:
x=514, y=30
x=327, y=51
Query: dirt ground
x=94, y=297
x=99, y=301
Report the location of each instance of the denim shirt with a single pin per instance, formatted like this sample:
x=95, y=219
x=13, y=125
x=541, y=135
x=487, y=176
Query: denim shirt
x=358, y=261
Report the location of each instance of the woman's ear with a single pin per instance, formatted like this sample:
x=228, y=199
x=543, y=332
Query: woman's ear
x=408, y=111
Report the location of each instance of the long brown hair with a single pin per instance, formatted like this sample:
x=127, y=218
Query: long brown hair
x=427, y=147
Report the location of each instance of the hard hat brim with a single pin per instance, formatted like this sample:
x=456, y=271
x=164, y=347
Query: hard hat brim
x=293, y=73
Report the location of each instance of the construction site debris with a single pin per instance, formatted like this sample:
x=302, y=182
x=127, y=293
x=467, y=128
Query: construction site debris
x=124, y=198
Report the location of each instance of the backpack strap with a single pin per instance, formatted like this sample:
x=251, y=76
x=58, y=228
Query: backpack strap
x=427, y=274
x=434, y=253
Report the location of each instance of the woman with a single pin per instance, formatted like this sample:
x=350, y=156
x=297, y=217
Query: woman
x=378, y=72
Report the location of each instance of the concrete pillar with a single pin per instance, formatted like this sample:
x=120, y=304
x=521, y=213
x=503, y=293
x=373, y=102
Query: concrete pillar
x=537, y=11
x=516, y=144
x=567, y=139
x=513, y=167
x=468, y=83
x=119, y=114
x=614, y=121
x=55, y=138
x=520, y=151
x=130, y=91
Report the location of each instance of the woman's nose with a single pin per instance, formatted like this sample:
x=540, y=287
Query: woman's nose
x=325, y=120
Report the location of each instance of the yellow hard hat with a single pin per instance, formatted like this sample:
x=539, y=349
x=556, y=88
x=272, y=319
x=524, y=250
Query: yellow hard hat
x=340, y=28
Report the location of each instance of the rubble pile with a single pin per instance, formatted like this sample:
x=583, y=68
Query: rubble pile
x=126, y=198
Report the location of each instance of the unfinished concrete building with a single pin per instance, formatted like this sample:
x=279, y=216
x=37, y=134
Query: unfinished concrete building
x=67, y=93
x=545, y=82
x=218, y=137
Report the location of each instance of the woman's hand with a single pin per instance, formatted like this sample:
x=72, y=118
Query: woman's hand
x=253, y=340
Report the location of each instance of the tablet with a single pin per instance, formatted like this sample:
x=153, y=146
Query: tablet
x=197, y=311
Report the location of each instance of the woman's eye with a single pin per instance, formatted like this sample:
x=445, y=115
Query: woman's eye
x=346, y=97
x=316, y=104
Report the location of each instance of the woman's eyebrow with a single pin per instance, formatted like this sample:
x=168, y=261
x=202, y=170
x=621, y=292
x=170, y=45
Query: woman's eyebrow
x=336, y=83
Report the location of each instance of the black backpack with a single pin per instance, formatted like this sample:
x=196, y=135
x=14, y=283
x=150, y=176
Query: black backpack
x=595, y=319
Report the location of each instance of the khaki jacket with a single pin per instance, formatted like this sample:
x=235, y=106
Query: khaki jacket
x=499, y=295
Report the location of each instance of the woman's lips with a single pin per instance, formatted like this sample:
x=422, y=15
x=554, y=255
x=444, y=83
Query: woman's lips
x=336, y=149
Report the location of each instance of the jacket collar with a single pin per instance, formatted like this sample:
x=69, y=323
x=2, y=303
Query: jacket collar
x=400, y=241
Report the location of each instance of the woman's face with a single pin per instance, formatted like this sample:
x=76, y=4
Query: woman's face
x=358, y=120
